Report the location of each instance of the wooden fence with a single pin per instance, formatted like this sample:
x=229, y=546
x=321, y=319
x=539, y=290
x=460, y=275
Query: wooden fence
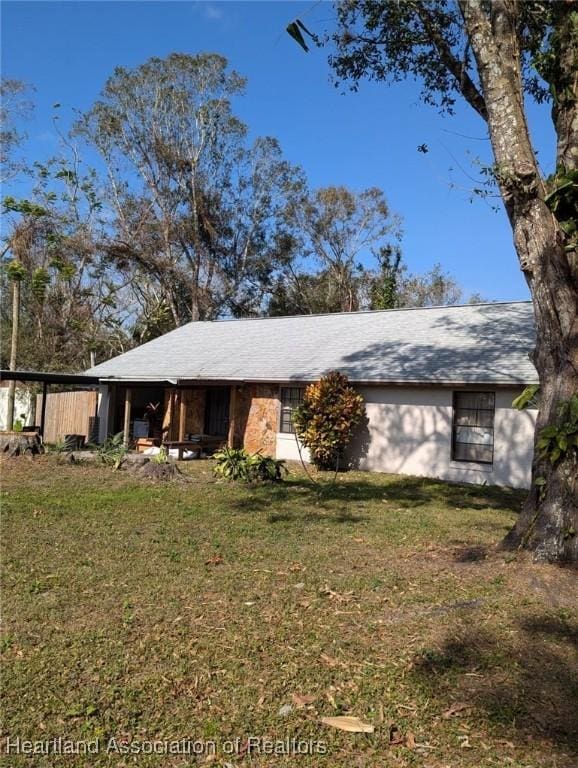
x=67, y=413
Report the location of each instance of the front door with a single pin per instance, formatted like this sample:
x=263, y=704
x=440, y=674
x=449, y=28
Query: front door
x=217, y=411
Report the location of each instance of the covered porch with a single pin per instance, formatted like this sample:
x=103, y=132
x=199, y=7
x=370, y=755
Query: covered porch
x=196, y=417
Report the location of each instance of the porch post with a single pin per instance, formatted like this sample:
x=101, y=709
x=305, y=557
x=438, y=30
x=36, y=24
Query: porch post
x=171, y=430
x=103, y=405
x=182, y=415
x=127, y=409
x=232, y=416
x=110, y=420
x=43, y=409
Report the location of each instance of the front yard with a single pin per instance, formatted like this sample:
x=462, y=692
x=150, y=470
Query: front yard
x=210, y=612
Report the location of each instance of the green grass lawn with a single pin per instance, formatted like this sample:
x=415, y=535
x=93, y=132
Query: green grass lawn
x=211, y=612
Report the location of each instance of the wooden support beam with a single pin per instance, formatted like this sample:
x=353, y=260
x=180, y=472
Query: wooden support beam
x=43, y=409
x=232, y=417
x=182, y=414
x=110, y=415
x=171, y=430
x=127, y=410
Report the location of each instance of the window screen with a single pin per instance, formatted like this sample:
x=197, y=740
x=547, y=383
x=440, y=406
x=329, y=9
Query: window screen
x=473, y=428
x=291, y=398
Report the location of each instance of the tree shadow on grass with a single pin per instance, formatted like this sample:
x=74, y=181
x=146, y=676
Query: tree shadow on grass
x=552, y=626
x=311, y=516
x=474, y=554
x=527, y=681
x=405, y=492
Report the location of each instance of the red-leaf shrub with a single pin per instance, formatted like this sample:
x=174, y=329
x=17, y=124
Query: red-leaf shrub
x=327, y=418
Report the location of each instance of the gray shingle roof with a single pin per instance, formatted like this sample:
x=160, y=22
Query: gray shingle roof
x=483, y=343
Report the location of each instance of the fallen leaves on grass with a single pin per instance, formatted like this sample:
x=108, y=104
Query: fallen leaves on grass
x=456, y=710
x=339, y=597
x=302, y=700
x=349, y=724
x=214, y=560
x=464, y=742
x=331, y=699
x=505, y=743
x=330, y=661
x=397, y=739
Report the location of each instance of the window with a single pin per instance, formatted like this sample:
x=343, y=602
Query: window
x=217, y=411
x=473, y=429
x=291, y=398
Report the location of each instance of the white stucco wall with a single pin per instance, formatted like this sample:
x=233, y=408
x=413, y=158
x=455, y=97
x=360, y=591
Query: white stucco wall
x=286, y=448
x=409, y=431
x=103, y=412
x=24, y=405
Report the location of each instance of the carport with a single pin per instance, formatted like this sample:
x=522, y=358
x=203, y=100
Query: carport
x=47, y=379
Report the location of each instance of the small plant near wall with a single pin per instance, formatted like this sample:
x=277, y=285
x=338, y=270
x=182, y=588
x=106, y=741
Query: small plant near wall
x=231, y=464
x=162, y=457
x=326, y=420
x=58, y=447
x=530, y=398
x=113, y=451
x=236, y=464
x=265, y=469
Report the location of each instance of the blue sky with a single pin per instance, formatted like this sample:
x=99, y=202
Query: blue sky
x=370, y=138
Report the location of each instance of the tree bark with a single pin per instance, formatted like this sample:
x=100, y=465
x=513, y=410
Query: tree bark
x=548, y=524
x=20, y=443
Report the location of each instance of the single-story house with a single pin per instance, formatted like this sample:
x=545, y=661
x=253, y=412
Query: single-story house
x=438, y=385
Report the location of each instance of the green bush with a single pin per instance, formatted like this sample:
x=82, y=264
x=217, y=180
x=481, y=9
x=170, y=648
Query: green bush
x=237, y=464
x=231, y=464
x=326, y=420
x=265, y=469
x=113, y=450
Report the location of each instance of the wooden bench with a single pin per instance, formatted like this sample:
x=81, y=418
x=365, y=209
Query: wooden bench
x=204, y=441
x=142, y=444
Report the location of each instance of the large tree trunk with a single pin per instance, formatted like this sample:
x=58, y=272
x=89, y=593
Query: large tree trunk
x=548, y=524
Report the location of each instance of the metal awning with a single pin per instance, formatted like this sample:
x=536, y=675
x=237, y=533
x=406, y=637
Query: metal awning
x=50, y=378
